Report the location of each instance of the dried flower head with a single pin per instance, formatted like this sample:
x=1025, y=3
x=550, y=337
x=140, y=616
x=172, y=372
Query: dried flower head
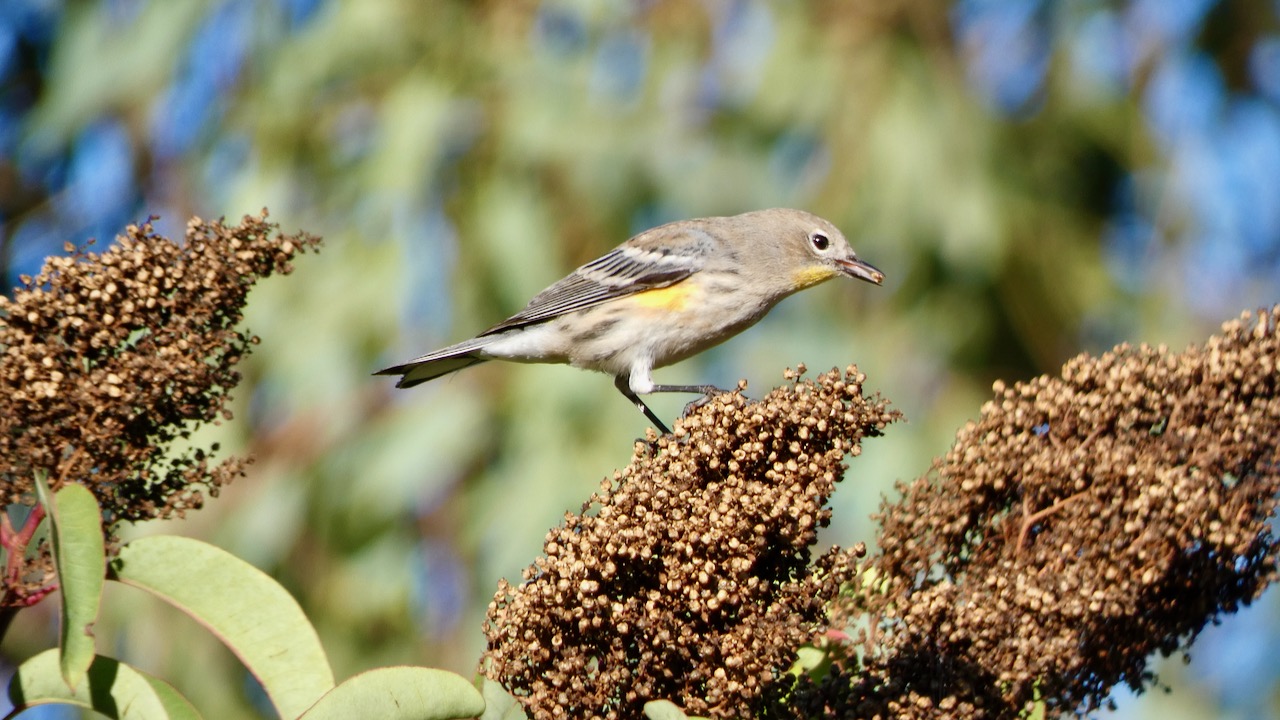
x=107, y=358
x=1081, y=524
x=688, y=576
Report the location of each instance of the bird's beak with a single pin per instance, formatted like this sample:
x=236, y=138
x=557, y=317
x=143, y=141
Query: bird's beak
x=853, y=267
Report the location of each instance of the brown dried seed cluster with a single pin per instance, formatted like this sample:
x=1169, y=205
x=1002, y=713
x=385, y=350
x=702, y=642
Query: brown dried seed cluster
x=107, y=358
x=1081, y=524
x=688, y=576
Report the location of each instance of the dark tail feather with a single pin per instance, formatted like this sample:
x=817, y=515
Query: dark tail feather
x=433, y=365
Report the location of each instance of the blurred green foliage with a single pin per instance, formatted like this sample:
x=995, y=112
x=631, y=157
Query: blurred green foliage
x=460, y=156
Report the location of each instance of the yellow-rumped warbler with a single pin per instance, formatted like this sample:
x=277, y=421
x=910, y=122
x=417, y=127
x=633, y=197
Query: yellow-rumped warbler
x=660, y=297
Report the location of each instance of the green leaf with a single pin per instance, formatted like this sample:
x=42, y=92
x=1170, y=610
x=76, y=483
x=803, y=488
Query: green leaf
x=812, y=661
x=400, y=693
x=79, y=556
x=113, y=689
x=251, y=613
x=498, y=703
x=1038, y=709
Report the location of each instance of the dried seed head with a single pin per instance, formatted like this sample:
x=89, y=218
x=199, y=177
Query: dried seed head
x=689, y=576
x=107, y=358
x=1081, y=524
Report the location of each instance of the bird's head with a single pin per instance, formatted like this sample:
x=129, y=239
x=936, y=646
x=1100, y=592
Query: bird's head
x=817, y=251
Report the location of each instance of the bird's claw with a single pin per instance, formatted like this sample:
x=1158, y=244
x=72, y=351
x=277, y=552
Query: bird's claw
x=706, y=398
x=695, y=404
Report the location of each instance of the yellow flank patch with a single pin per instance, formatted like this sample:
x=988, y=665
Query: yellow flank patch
x=812, y=275
x=673, y=297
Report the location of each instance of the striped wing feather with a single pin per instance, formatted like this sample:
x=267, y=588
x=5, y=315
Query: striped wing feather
x=648, y=261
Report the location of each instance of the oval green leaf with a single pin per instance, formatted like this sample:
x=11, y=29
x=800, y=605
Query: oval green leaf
x=114, y=689
x=498, y=703
x=400, y=693
x=248, y=611
x=79, y=557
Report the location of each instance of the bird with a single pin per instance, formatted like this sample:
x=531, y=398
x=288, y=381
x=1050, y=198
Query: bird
x=660, y=297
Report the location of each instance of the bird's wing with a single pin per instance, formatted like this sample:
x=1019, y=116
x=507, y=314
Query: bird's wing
x=654, y=259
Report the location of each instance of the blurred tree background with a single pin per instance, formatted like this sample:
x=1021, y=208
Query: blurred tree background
x=1036, y=179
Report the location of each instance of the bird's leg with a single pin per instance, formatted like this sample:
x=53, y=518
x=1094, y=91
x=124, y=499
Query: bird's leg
x=624, y=387
x=705, y=390
x=699, y=389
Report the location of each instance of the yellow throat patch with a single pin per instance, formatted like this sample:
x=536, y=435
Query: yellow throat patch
x=812, y=275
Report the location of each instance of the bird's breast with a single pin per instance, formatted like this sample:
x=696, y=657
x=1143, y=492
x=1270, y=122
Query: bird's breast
x=660, y=326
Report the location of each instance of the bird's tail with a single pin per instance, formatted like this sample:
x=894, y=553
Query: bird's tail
x=441, y=362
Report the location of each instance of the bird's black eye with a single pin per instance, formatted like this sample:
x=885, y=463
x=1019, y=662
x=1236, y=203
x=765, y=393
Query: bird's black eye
x=820, y=241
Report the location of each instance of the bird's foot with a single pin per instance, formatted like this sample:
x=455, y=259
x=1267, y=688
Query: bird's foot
x=709, y=392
